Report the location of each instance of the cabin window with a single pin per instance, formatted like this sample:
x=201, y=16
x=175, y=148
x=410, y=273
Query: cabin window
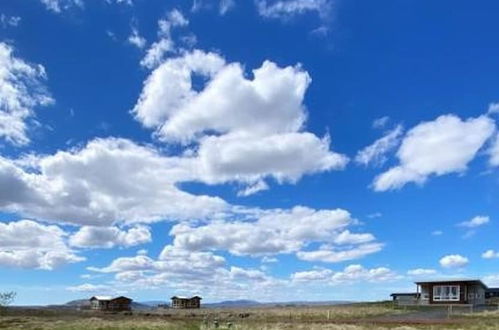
x=446, y=292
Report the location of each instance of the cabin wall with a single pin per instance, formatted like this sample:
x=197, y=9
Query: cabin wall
x=186, y=303
x=468, y=294
x=476, y=295
x=405, y=300
x=111, y=305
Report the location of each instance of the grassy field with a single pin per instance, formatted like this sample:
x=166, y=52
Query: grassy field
x=351, y=317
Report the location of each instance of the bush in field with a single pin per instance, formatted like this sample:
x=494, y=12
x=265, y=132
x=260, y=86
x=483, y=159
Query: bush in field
x=6, y=298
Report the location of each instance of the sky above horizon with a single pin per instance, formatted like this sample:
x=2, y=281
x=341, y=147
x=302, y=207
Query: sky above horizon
x=273, y=150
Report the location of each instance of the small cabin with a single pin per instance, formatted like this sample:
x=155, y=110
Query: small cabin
x=186, y=302
x=107, y=303
x=445, y=292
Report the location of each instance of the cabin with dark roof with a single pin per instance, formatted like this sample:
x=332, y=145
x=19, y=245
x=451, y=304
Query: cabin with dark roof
x=186, y=302
x=445, y=292
x=107, y=303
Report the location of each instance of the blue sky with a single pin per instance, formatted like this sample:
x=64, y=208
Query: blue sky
x=272, y=150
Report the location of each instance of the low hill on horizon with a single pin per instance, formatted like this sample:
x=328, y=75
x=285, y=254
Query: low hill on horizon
x=240, y=303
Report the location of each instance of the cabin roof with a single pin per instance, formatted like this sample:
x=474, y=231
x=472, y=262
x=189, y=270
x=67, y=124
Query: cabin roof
x=108, y=298
x=183, y=297
x=454, y=280
x=101, y=298
x=404, y=294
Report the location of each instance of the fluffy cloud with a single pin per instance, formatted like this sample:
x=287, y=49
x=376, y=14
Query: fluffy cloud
x=285, y=157
x=127, y=264
x=326, y=253
x=85, y=186
x=190, y=264
x=315, y=275
x=27, y=244
x=375, y=153
x=21, y=91
x=190, y=273
x=438, y=147
x=280, y=231
x=490, y=254
x=165, y=44
x=108, y=237
x=493, y=107
x=475, y=222
x=170, y=86
x=107, y=181
x=351, y=274
x=88, y=287
x=421, y=272
x=170, y=102
x=287, y=9
x=453, y=261
x=245, y=148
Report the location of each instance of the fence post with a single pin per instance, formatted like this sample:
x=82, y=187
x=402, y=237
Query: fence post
x=328, y=315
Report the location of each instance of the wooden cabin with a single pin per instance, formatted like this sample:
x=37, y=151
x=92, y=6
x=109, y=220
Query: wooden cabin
x=445, y=292
x=106, y=303
x=186, y=302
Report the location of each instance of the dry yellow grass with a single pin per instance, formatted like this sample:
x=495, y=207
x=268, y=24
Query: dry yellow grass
x=355, y=317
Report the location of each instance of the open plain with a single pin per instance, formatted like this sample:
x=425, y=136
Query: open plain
x=348, y=317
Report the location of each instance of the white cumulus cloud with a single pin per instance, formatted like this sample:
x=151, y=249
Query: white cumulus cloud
x=351, y=274
x=477, y=221
x=108, y=237
x=490, y=254
x=453, y=261
x=445, y=145
x=28, y=244
x=421, y=272
x=107, y=181
x=278, y=232
x=263, y=138
x=326, y=253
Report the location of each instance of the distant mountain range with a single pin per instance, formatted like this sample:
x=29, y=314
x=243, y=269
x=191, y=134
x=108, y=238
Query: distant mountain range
x=144, y=305
x=233, y=303
x=253, y=303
